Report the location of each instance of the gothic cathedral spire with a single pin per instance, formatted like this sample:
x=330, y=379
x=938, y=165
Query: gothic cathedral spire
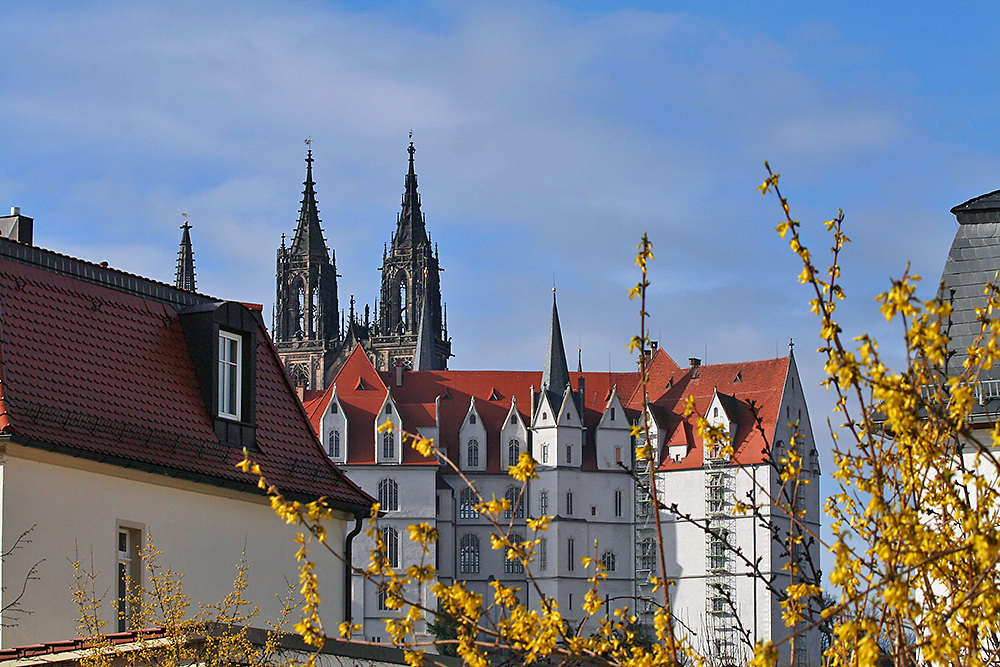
x=306, y=330
x=185, y=260
x=555, y=373
x=410, y=276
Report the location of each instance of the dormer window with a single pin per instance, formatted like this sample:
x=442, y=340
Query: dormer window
x=715, y=412
x=388, y=445
x=472, y=419
x=230, y=375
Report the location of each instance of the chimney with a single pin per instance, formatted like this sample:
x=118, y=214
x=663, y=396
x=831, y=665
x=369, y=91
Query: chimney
x=695, y=362
x=654, y=344
x=399, y=372
x=300, y=391
x=16, y=227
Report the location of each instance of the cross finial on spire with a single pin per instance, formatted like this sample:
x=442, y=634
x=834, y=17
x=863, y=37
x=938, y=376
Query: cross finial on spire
x=791, y=345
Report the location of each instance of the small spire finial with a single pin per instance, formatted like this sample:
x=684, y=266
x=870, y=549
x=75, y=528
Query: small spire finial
x=791, y=345
x=186, y=224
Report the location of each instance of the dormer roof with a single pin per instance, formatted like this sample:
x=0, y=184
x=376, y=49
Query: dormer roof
x=95, y=363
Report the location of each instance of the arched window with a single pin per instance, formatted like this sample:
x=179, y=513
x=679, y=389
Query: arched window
x=335, y=444
x=545, y=453
x=609, y=561
x=569, y=503
x=402, y=301
x=472, y=418
x=513, y=566
x=543, y=554
x=381, y=594
x=468, y=556
x=516, y=508
x=513, y=452
x=388, y=495
x=543, y=503
x=467, y=504
x=473, y=453
x=390, y=537
x=388, y=445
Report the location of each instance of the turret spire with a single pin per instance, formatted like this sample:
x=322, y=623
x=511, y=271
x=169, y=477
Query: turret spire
x=185, y=260
x=308, y=234
x=410, y=230
x=555, y=374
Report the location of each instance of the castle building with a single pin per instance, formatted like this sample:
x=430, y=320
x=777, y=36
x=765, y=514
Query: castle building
x=311, y=334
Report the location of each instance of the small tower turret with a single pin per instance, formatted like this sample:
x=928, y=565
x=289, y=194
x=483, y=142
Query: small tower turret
x=185, y=260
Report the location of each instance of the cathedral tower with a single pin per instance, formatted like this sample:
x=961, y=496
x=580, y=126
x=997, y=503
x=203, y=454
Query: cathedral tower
x=305, y=325
x=410, y=277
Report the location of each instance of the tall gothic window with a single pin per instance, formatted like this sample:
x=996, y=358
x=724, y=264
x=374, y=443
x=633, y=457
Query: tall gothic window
x=569, y=503
x=468, y=559
x=335, y=444
x=570, y=554
x=609, y=561
x=543, y=503
x=473, y=453
x=513, y=452
x=513, y=565
x=516, y=508
x=618, y=502
x=467, y=502
x=388, y=495
x=388, y=445
x=390, y=537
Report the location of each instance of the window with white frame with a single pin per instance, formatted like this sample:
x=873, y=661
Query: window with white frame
x=388, y=495
x=543, y=503
x=335, y=443
x=467, y=501
x=468, y=558
x=230, y=375
x=609, y=561
x=129, y=571
x=513, y=452
x=513, y=565
x=570, y=555
x=516, y=507
x=473, y=453
x=388, y=445
x=390, y=538
x=545, y=453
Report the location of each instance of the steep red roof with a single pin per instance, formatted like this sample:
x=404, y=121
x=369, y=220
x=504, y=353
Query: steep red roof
x=95, y=363
x=415, y=400
x=756, y=386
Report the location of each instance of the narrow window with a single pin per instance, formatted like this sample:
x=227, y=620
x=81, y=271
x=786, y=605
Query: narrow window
x=388, y=445
x=513, y=452
x=388, y=495
x=571, y=558
x=381, y=596
x=333, y=408
x=388, y=408
x=715, y=412
x=618, y=454
x=618, y=502
x=229, y=375
x=513, y=419
x=390, y=538
x=469, y=555
x=569, y=503
x=543, y=554
x=467, y=504
x=543, y=503
x=472, y=418
x=516, y=507
x=513, y=565
x=571, y=598
x=612, y=414
x=473, y=453
x=129, y=571
x=593, y=510
x=569, y=453
x=545, y=453
x=335, y=444
x=609, y=561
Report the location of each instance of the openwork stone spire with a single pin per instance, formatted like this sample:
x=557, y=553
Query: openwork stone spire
x=185, y=260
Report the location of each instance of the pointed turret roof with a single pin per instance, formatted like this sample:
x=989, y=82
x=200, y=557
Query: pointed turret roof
x=424, y=358
x=308, y=234
x=185, y=261
x=410, y=230
x=555, y=373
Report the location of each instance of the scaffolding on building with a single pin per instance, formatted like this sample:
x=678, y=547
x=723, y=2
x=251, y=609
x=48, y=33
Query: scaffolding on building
x=645, y=544
x=720, y=566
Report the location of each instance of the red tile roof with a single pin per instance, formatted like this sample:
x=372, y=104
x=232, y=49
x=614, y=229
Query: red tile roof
x=94, y=362
x=756, y=386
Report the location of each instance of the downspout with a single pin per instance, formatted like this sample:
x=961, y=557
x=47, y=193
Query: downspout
x=349, y=565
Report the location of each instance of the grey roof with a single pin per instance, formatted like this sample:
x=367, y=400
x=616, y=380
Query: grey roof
x=555, y=373
x=410, y=229
x=424, y=358
x=973, y=262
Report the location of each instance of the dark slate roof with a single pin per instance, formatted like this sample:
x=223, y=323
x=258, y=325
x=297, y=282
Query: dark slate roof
x=308, y=233
x=94, y=363
x=973, y=262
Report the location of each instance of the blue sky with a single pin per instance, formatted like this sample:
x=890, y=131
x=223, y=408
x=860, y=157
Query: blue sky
x=549, y=137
